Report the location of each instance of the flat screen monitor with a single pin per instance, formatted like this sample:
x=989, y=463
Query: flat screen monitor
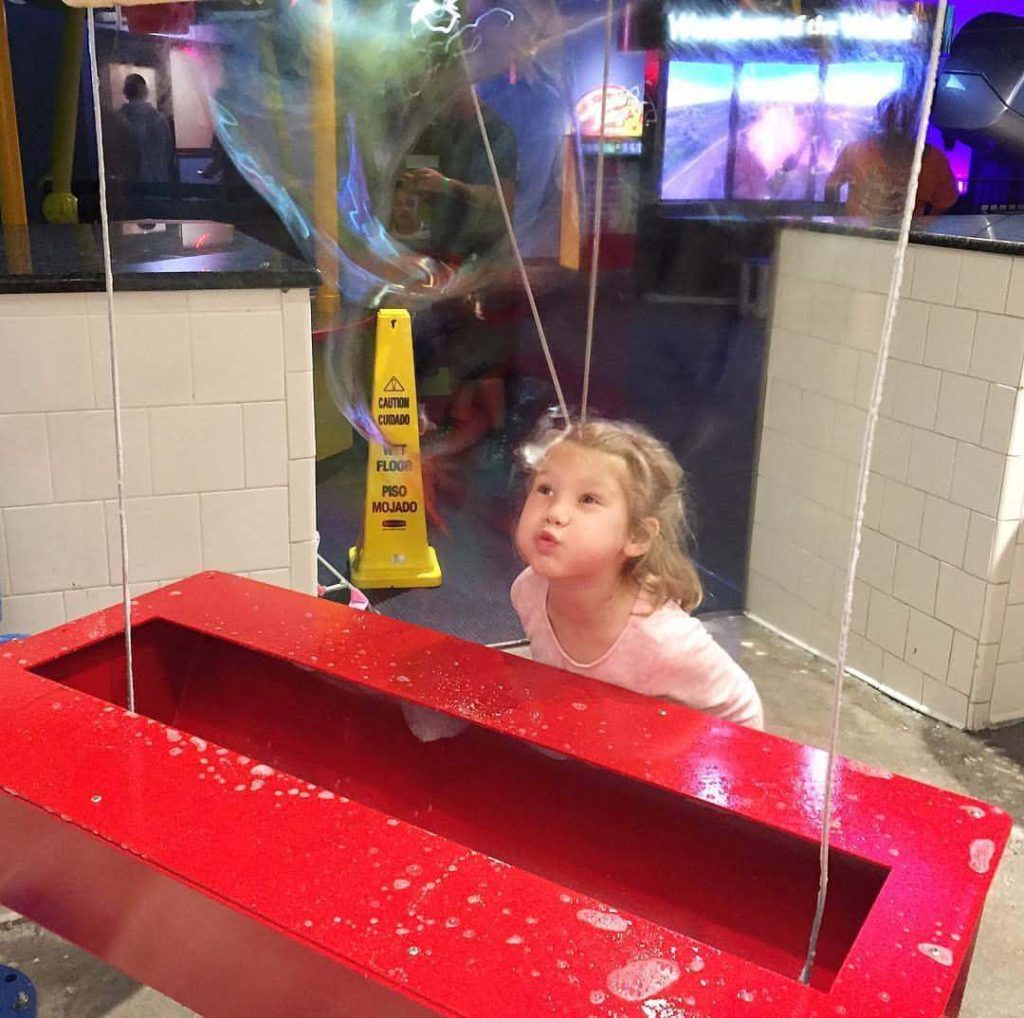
x=696, y=146
x=778, y=104
x=792, y=121
x=852, y=91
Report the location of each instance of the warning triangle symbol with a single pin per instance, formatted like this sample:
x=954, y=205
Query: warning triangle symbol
x=394, y=385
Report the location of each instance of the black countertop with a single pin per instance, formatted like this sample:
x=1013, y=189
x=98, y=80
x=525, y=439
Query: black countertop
x=145, y=256
x=1001, y=234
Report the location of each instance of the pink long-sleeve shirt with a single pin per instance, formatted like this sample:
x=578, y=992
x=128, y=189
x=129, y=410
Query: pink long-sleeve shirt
x=665, y=653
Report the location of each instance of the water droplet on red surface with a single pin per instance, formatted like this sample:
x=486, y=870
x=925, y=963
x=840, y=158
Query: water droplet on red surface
x=982, y=851
x=937, y=953
x=603, y=920
x=643, y=978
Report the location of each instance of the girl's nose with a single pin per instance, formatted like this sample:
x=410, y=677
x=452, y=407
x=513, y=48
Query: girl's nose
x=557, y=514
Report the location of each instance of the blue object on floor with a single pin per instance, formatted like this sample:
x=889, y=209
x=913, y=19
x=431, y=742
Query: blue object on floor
x=17, y=994
x=7, y=637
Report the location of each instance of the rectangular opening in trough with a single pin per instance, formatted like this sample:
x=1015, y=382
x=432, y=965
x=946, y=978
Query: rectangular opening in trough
x=686, y=865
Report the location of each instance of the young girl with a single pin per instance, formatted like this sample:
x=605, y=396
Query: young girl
x=608, y=588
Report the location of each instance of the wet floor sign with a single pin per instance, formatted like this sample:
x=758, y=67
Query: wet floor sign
x=394, y=550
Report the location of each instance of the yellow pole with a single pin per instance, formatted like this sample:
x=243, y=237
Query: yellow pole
x=325, y=162
x=12, y=187
x=60, y=205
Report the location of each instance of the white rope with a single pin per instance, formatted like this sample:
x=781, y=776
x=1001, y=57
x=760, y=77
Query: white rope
x=595, y=251
x=895, y=284
x=115, y=386
x=512, y=238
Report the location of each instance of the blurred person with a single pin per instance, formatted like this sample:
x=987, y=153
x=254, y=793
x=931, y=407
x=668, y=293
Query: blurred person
x=154, y=141
x=876, y=169
x=467, y=227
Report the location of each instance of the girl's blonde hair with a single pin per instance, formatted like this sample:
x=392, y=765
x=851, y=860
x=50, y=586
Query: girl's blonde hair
x=655, y=489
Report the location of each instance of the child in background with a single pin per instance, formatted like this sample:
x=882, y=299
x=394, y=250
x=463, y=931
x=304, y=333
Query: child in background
x=608, y=588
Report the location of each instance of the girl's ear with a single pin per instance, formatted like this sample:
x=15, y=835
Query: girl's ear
x=643, y=536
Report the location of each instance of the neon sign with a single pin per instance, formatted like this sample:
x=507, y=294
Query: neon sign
x=686, y=27
x=623, y=115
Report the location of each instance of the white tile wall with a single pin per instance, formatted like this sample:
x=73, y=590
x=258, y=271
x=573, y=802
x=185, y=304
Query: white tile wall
x=977, y=478
x=945, y=703
x=302, y=499
x=962, y=657
x=1015, y=294
x=46, y=365
x=949, y=337
x=164, y=538
x=83, y=456
x=916, y=578
x=944, y=530
x=25, y=471
x=939, y=601
x=196, y=448
x=302, y=555
x=931, y=462
x=961, y=410
x=910, y=331
x=29, y=613
x=299, y=403
x=915, y=392
x=240, y=364
x=152, y=358
x=1008, y=693
x=936, y=274
x=245, y=529
x=985, y=672
x=265, y=435
x=998, y=430
x=54, y=547
x=984, y=280
x=213, y=447
x=929, y=644
x=998, y=351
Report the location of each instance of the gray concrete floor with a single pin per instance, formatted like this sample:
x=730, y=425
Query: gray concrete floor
x=797, y=692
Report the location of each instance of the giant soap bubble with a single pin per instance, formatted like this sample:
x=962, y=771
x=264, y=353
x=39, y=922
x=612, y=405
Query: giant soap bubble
x=400, y=71
x=336, y=111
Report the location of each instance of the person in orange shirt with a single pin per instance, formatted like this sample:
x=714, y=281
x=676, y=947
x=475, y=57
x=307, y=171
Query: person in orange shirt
x=877, y=169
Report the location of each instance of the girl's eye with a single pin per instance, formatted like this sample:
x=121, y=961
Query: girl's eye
x=543, y=489
x=590, y=500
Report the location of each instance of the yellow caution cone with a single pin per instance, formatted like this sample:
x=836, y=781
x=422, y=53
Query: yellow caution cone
x=394, y=550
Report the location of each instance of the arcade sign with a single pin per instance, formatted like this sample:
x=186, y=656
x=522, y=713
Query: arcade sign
x=687, y=27
x=623, y=113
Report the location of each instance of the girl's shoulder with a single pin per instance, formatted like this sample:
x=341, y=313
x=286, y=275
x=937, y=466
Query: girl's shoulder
x=667, y=625
x=528, y=590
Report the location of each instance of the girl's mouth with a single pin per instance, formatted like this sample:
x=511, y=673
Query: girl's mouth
x=546, y=541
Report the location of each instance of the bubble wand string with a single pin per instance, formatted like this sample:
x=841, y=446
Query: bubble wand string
x=874, y=407
x=115, y=383
x=512, y=236
x=595, y=251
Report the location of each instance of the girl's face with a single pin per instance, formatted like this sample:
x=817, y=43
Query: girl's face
x=575, y=524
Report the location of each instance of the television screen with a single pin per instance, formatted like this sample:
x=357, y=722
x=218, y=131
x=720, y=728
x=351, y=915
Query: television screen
x=774, y=142
x=696, y=130
x=793, y=121
x=852, y=91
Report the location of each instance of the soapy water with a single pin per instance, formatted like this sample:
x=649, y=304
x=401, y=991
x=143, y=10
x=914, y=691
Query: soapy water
x=610, y=921
x=982, y=851
x=937, y=953
x=642, y=978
